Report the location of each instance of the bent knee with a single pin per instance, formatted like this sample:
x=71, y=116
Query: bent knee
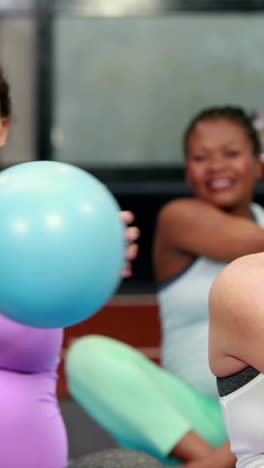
x=95, y=355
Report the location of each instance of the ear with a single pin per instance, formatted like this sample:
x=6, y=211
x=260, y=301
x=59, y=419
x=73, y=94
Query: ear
x=4, y=128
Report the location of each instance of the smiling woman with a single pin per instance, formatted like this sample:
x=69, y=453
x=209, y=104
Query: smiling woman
x=195, y=238
x=219, y=146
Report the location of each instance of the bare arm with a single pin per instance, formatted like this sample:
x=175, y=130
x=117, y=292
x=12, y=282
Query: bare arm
x=195, y=227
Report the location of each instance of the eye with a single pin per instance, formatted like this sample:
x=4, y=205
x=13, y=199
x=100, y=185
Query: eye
x=232, y=153
x=198, y=157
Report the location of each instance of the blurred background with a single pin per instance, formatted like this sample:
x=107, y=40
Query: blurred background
x=109, y=85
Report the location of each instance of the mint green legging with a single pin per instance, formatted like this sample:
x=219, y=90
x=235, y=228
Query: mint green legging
x=142, y=405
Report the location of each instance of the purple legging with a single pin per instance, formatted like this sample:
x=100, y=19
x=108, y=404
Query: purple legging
x=32, y=432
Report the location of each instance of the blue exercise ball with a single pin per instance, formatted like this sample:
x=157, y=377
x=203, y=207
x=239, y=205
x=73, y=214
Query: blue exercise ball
x=62, y=244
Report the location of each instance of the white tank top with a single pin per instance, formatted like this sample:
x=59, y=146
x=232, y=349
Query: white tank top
x=243, y=412
x=183, y=304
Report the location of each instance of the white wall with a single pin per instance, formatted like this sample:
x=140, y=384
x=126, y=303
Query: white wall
x=17, y=37
x=126, y=88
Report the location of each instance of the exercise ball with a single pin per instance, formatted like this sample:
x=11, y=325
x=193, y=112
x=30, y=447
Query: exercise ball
x=62, y=244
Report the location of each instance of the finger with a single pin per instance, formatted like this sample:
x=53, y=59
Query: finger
x=127, y=216
x=132, y=251
x=127, y=270
x=132, y=234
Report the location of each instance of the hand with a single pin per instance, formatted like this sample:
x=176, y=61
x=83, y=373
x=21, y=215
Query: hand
x=132, y=235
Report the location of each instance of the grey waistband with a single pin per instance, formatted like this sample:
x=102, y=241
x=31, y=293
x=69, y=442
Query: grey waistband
x=231, y=383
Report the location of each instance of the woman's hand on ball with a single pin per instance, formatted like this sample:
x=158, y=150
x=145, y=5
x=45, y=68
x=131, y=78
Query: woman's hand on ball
x=132, y=235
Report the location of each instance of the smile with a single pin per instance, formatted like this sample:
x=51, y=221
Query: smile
x=220, y=184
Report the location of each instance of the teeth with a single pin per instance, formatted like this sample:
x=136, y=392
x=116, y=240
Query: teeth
x=220, y=183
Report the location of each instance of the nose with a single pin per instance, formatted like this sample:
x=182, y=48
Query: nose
x=216, y=163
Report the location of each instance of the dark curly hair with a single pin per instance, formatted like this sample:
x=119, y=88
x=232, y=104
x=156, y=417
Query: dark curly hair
x=5, y=102
x=234, y=114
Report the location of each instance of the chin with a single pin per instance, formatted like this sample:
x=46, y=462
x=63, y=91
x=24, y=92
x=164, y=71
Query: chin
x=230, y=206
x=225, y=204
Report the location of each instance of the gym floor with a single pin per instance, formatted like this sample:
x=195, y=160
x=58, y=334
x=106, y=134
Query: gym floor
x=84, y=434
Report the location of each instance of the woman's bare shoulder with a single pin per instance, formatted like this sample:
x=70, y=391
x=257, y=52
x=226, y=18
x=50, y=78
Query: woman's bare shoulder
x=236, y=316
x=245, y=268
x=239, y=287
x=184, y=207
